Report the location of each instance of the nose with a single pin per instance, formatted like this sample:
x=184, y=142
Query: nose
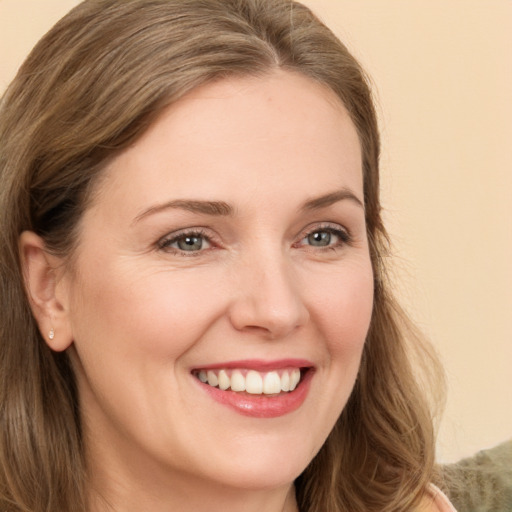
x=267, y=300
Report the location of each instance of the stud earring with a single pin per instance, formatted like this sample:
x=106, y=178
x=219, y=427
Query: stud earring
x=51, y=334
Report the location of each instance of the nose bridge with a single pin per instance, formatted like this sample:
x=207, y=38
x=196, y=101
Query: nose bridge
x=268, y=298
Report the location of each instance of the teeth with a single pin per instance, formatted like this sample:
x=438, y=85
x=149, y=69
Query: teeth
x=271, y=383
x=294, y=379
x=285, y=381
x=212, y=378
x=224, y=381
x=237, y=381
x=253, y=382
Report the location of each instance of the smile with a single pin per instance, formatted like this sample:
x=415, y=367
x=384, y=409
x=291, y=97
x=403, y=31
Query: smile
x=251, y=381
x=257, y=388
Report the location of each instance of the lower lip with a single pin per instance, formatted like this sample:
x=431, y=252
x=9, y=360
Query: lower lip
x=262, y=406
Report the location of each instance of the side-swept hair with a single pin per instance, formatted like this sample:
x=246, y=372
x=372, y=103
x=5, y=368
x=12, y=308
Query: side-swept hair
x=91, y=87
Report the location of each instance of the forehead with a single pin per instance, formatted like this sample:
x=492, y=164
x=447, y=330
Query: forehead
x=279, y=128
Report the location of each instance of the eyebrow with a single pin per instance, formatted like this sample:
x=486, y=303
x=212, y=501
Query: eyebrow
x=191, y=205
x=326, y=200
x=221, y=208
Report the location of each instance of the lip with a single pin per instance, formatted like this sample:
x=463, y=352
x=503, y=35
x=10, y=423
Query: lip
x=261, y=406
x=259, y=365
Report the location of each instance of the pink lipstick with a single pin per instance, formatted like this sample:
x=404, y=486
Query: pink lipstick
x=261, y=389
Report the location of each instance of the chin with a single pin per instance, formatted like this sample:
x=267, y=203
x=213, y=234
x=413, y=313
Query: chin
x=273, y=474
x=266, y=467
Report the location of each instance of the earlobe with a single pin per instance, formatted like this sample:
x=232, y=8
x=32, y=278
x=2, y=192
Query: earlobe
x=41, y=274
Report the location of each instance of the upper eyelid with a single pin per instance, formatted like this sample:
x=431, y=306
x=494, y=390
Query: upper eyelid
x=176, y=235
x=199, y=230
x=333, y=226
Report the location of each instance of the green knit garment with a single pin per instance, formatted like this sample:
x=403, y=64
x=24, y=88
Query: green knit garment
x=482, y=483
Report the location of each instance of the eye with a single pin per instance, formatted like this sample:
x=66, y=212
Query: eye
x=188, y=242
x=320, y=238
x=326, y=237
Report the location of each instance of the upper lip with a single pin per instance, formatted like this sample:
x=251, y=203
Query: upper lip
x=260, y=365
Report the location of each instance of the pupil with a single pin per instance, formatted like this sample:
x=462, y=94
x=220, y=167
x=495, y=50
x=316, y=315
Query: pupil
x=320, y=238
x=190, y=243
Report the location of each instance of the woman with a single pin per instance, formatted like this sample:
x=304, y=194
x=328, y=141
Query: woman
x=195, y=312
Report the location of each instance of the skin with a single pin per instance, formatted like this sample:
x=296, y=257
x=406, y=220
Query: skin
x=137, y=313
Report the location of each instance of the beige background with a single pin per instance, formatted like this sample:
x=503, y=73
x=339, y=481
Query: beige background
x=443, y=74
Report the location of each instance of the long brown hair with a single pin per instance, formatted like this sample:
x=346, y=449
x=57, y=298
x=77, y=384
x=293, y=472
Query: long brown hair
x=90, y=88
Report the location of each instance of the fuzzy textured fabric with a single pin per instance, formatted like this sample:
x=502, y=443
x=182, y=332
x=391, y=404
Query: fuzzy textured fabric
x=482, y=483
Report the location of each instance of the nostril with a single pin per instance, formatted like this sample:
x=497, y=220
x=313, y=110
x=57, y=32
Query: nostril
x=270, y=331
x=260, y=317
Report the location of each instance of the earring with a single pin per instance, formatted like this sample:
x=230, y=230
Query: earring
x=51, y=334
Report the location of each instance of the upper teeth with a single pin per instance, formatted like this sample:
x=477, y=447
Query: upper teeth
x=251, y=381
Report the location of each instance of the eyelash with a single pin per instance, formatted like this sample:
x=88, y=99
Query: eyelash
x=343, y=235
x=164, y=244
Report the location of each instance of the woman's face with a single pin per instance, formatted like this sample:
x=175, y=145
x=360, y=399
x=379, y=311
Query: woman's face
x=227, y=244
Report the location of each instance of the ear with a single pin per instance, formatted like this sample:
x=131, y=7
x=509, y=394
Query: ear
x=45, y=284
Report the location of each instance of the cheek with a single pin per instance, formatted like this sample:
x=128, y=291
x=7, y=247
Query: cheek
x=132, y=330
x=343, y=307
x=343, y=314
x=152, y=314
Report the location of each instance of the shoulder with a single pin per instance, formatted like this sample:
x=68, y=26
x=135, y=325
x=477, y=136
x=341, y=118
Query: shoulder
x=435, y=501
